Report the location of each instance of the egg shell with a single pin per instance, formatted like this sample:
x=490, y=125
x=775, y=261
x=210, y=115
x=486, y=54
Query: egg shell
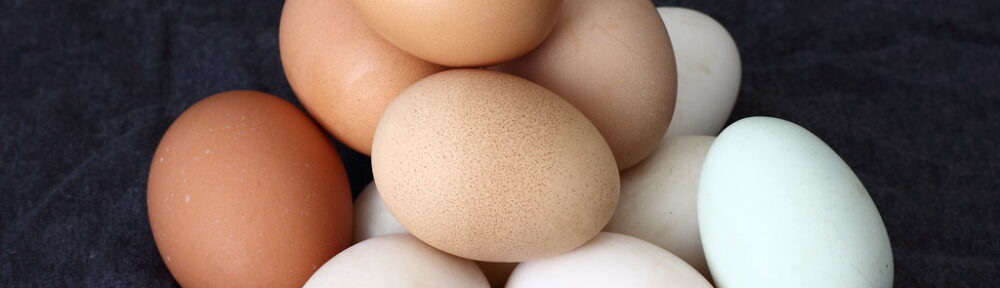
x=778, y=208
x=491, y=167
x=611, y=59
x=708, y=71
x=343, y=72
x=462, y=33
x=397, y=260
x=245, y=191
x=373, y=219
x=609, y=260
x=659, y=198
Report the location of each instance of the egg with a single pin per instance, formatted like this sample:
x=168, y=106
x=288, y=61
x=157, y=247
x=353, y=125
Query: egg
x=708, y=71
x=609, y=260
x=778, y=208
x=462, y=33
x=659, y=198
x=491, y=167
x=373, y=219
x=246, y=191
x=397, y=260
x=343, y=72
x=613, y=61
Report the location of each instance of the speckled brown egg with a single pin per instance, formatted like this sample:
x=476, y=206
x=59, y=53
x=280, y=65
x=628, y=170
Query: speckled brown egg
x=492, y=167
x=341, y=71
x=611, y=59
x=462, y=33
x=246, y=191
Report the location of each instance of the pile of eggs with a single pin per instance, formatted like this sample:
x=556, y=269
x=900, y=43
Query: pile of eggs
x=526, y=143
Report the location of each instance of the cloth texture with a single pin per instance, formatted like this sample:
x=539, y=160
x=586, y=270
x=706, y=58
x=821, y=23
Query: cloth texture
x=905, y=91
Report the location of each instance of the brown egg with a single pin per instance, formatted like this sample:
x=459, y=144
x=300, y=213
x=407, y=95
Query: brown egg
x=246, y=191
x=497, y=273
x=343, y=72
x=611, y=59
x=491, y=167
x=463, y=33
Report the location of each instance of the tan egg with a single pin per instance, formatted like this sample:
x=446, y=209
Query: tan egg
x=659, y=198
x=397, y=260
x=611, y=59
x=609, y=260
x=373, y=219
x=341, y=71
x=246, y=191
x=491, y=167
x=462, y=33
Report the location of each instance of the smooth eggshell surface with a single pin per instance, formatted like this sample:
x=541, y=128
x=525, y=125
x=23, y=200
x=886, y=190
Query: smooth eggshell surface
x=609, y=260
x=397, y=260
x=778, y=208
x=343, y=72
x=462, y=33
x=373, y=219
x=659, y=198
x=246, y=191
x=491, y=167
x=611, y=59
x=708, y=72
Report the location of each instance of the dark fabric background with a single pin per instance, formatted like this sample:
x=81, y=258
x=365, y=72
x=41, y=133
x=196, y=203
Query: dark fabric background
x=905, y=91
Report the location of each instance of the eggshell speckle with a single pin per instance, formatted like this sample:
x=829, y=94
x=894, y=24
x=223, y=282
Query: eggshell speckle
x=245, y=191
x=397, y=260
x=343, y=72
x=708, y=71
x=659, y=197
x=778, y=208
x=462, y=33
x=491, y=167
x=611, y=59
x=609, y=260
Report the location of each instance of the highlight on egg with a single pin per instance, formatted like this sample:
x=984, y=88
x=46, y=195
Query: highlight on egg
x=492, y=167
x=245, y=191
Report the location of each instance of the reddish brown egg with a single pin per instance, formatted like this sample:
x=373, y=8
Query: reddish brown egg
x=246, y=191
x=341, y=71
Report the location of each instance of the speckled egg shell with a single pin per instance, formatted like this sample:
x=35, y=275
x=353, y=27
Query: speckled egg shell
x=491, y=167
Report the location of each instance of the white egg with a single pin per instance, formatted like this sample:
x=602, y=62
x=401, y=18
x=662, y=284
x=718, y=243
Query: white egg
x=609, y=260
x=778, y=208
x=397, y=260
x=371, y=217
x=659, y=196
x=708, y=71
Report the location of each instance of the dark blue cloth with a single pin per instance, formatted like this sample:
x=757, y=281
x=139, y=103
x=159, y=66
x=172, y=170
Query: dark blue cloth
x=905, y=91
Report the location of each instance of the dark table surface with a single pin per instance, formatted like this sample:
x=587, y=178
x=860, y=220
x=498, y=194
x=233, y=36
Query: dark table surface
x=905, y=91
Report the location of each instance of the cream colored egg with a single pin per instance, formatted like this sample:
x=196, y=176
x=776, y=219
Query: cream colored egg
x=708, y=71
x=611, y=59
x=371, y=218
x=393, y=261
x=609, y=260
x=659, y=198
x=491, y=167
